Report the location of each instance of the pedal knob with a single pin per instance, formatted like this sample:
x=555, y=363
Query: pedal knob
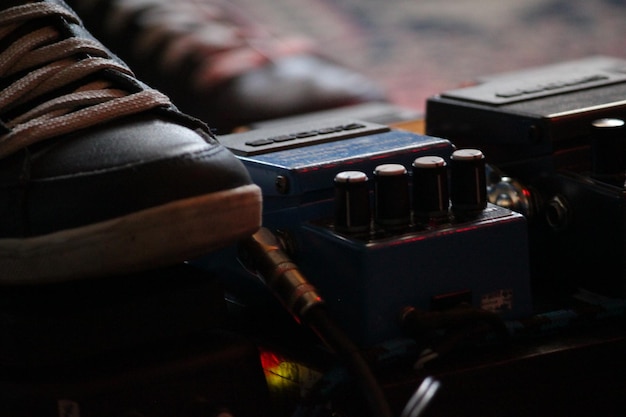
x=468, y=184
x=430, y=188
x=352, y=202
x=391, y=195
x=608, y=137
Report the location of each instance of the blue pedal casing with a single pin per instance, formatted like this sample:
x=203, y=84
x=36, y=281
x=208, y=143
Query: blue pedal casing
x=367, y=279
x=367, y=282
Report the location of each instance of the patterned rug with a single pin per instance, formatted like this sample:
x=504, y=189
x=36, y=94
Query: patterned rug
x=417, y=48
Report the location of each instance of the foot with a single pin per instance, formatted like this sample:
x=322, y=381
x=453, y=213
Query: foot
x=99, y=174
x=219, y=65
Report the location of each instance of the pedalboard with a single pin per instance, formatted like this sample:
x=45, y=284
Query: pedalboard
x=380, y=218
x=559, y=133
x=541, y=114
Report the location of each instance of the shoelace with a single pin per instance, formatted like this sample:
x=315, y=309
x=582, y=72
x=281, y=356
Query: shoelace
x=49, y=62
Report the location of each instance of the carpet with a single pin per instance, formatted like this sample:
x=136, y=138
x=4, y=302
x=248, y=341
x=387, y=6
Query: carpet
x=415, y=49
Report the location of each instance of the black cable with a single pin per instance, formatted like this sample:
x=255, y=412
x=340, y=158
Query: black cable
x=421, y=398
x=262, y=254
x=335, y=339
x=419, y=323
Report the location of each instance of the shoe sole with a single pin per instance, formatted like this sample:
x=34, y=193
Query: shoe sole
x=151, y=238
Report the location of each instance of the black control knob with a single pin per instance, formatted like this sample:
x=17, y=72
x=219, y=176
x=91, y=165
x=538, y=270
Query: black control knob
x=391, y=195
x=608, y=137
x=352, y=202
x=430, y=188
x=468, y=184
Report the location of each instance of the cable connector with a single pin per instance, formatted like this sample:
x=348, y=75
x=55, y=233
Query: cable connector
x=263, y=255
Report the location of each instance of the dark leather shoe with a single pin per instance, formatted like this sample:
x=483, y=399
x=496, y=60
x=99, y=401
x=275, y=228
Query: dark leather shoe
x=220, y=66
x=292, y=85
x=100, y=174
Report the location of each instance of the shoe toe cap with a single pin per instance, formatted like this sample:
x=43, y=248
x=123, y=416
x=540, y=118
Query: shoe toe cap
x=135, y=165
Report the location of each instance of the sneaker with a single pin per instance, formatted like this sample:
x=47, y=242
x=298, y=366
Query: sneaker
x=219, y=65
x=100, y=174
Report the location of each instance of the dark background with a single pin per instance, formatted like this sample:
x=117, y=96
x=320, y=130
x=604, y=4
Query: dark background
x=416, y=48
